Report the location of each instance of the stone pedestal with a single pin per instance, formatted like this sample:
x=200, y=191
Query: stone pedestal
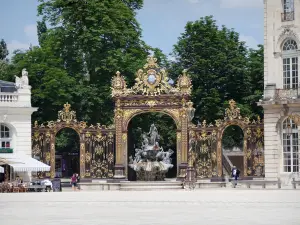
x=119, y=172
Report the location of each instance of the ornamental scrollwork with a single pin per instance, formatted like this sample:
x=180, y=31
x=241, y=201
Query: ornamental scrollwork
x=233, y=112
x=67, y=115
x=151, y=80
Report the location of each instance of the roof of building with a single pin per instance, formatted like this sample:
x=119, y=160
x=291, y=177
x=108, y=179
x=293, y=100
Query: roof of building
x=6, y=86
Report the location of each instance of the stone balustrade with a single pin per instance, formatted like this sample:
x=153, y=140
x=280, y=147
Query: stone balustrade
x=272, y=93
x=8, y=97
x=21, y=98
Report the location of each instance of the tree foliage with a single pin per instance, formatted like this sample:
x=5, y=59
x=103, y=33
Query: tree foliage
x=86, y=42
x=3, y=50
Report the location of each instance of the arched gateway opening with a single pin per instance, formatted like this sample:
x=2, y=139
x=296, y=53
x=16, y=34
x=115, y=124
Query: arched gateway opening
x=143, y=155
x=67, y=153
x=152, y=92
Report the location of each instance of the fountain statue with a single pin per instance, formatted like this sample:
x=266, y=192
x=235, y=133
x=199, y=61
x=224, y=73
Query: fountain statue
x=150, y=161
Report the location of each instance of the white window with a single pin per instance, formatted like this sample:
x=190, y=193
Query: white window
x=290, y=64
x=5, y=136
x=288, y=6
x=290, y=146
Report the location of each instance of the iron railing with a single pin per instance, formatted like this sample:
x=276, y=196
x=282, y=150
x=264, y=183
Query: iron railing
x=287, y=16
x=227, y=164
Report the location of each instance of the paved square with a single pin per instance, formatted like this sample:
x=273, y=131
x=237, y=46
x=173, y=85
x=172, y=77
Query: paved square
x=204, y=206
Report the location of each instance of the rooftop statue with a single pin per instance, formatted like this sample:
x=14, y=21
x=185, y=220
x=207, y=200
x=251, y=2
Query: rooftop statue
x=22, y=82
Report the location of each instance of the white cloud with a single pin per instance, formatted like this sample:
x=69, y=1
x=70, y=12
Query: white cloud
x=30, y=33
x=241, y=3
x=251, y=42
x=15, y=45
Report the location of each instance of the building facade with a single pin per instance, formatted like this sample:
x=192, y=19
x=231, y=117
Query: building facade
x=281, y=100
x=15, y=125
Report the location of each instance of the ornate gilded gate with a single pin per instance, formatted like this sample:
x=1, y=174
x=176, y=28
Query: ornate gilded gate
x=205, y=144
x=152, y=92
x=96, y=144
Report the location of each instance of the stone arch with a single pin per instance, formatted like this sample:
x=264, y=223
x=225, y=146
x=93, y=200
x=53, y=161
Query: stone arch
x=165, y=112
x=152, y=92
x=285, y=35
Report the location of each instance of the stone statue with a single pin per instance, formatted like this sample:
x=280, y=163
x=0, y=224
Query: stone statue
x=145, y=140
x=23, y=81
x=167, y=156
x=150, y=161
x=153, y=134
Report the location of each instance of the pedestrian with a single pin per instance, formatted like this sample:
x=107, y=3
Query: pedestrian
x=74, y=182
x=78, y=180
x=235, y=173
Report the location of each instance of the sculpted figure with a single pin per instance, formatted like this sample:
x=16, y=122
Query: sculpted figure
x=23, y=81
x=167, y=156
x=153, y=134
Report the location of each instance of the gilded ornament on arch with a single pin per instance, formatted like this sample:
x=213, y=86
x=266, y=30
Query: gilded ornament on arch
x=249, y=154
x=36, y=136
x=118, y=85
x=82, y=159
x=88, y=157
x=82, y=125
x=110, y=158
x=48, y=157
x=178, y=136
x=51, y=124
x=36, y=150
x=151, y=103
x=218, y=123
x=66, y=115
x=88, y=134
x=99, y=150
x=111, y=126
x=151, y=80
x=124, y=137
x=87, y=173
x=184, y=83
x=233, y=112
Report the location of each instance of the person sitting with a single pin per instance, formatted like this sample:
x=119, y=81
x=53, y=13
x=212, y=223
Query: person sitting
x=48, y=184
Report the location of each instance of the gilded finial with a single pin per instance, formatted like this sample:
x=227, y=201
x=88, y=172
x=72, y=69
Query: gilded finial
x=67, y=107
x=232, y=104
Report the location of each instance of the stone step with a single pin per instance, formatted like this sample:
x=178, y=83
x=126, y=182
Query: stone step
x=150, y=188
x=150, y=184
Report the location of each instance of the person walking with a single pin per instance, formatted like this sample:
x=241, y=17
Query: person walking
x=74, y=182
x=235, y=173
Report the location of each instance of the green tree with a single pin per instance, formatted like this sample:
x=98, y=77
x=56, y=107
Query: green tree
x=217, y=62
x=94, y=39
x=255, y=70
x=3, y=50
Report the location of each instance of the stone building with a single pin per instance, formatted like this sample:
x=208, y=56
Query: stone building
x=15, y=125
x=281, y=98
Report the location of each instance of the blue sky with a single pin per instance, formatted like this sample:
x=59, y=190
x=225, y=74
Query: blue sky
x=162, y=21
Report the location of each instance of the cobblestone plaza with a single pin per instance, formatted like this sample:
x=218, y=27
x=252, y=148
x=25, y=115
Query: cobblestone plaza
x=205, y=206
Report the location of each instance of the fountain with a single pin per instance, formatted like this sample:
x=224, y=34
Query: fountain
x=151, y=162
